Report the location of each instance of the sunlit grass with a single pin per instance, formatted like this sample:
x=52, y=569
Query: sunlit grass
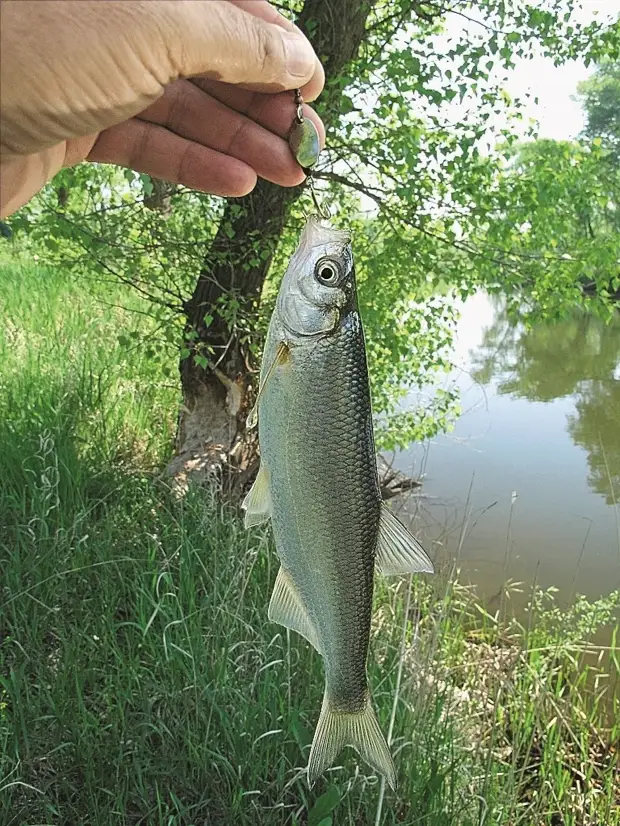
x=140, y=680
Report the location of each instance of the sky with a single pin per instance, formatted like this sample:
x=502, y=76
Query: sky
x=559, y=117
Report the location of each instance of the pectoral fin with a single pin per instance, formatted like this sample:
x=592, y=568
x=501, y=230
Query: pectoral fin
x=397, y=550
x=287, y=608
x=281, y=357
x=257, y=504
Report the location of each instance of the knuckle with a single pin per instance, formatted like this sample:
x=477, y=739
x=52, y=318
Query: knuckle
x=179, y=104
x=269, y=53
x=185, y=166
x=141, y=146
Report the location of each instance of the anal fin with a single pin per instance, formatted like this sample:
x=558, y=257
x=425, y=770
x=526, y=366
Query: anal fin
x=287, y=608
x=257, y=504
x=398, y=552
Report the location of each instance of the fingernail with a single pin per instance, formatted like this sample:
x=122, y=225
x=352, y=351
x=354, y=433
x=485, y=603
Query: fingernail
x=300, y=57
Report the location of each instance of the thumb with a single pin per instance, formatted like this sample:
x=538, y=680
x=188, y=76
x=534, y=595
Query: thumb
x=73, y=69
x=246, y=44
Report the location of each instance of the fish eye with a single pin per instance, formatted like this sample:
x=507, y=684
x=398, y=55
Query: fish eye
x=328, y=272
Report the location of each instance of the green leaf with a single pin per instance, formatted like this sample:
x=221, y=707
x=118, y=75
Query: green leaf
x=147, y=184
x=301, y=733
x=323, y=806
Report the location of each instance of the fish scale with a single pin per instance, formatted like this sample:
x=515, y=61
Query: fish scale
x=318, y=484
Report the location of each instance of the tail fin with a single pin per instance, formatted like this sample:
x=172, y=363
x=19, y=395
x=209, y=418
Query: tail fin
x=337, y=729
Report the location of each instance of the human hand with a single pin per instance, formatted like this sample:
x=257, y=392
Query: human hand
x=191, y=91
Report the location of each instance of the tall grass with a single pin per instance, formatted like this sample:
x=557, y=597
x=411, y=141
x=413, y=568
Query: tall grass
x=140, y=680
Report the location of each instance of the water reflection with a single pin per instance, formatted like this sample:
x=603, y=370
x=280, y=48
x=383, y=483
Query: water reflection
x=577, y=356
x=526, y=486
x=596, y=427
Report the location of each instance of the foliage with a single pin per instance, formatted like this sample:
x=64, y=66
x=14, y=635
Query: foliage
x=420, y=139
x=600, y=97
x=93, y=222
x=556, y=231
x=558, y=216
x=437, y=157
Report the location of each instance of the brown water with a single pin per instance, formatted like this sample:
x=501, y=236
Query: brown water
x=527, y=485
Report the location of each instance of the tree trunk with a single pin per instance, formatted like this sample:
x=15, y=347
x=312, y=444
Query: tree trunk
x=212, y=441
x=218, y=378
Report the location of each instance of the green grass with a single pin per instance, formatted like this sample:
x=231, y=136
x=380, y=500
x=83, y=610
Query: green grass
x=140, y=680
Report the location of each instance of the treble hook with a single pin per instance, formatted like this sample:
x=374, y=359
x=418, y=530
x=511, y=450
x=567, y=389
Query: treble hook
x=322, y=211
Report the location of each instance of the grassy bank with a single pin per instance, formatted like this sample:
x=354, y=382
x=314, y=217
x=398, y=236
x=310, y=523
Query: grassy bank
x=140, y=681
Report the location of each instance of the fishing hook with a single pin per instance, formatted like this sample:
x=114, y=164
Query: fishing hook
x=322, y=211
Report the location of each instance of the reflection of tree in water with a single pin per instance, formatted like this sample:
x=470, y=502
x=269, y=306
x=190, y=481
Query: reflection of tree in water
x=550, y=360
x=578, y=356
x=596, y=427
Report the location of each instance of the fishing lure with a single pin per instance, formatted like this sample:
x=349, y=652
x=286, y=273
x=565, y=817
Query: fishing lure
x=305, y=145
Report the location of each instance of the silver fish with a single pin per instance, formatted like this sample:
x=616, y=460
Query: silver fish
x=318, y=483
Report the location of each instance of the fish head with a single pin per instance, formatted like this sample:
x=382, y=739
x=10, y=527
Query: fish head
x=318, y=288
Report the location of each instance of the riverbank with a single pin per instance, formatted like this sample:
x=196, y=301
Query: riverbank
x=141, y=682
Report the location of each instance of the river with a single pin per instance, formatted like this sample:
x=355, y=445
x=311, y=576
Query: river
x=526, y=487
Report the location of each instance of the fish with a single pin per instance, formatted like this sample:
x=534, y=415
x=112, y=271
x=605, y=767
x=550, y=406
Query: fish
x=318, y=484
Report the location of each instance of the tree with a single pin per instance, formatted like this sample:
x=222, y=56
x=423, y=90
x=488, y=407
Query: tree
x=217, y=379
x=395, y=143
x=557, y=209
x=600, y=97
x=558, y=203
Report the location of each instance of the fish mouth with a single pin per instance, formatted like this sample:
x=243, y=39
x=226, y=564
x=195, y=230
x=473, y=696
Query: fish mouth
x=316, y=233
